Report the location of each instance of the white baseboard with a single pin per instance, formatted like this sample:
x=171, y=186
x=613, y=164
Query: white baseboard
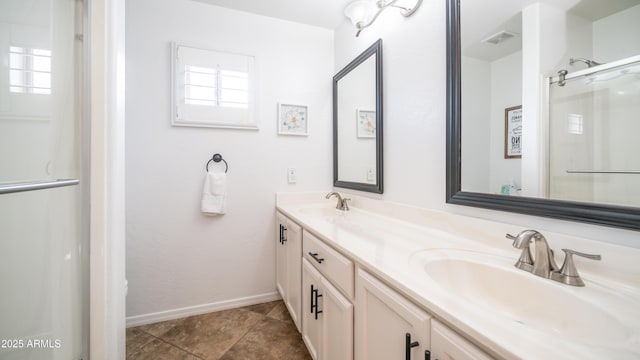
x=200, y=309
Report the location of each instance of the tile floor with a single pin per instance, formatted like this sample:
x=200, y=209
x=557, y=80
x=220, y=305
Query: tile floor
x=263, y=331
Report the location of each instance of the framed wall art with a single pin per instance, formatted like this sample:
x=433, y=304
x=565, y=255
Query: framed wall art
x=513, y=132
x=293, y=119
x=366, y=122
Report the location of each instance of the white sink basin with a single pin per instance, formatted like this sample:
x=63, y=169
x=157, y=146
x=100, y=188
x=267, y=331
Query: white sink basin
x=492, y=284
x=363, y=224
x=353, y=221
x=325, y=212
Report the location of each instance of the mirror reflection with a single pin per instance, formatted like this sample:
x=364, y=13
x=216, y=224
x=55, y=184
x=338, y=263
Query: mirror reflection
x=550, y=99
x=357, y=123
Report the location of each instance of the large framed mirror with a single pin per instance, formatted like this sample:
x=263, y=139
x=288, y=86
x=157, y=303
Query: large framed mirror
x=357, y=123
x=543, y=100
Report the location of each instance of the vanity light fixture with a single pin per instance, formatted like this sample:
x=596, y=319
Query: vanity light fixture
x=363, y=13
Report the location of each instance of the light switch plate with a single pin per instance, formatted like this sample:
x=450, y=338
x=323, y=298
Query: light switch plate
x=371, y=174
x=291, y=175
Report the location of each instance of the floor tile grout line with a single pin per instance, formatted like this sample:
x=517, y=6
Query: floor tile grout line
x=263, y=316
x=137, y=349
x=270, y=317
x=181, y=349
x=168, y=343
x=246, y=332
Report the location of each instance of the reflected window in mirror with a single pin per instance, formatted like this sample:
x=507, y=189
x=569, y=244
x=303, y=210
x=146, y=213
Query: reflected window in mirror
x=357, y=122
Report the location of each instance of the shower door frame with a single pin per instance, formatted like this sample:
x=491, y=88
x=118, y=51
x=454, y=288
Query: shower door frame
x=105, y=42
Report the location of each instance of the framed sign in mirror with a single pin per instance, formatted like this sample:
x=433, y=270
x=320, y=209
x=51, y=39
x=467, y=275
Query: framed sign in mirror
x=513, y=132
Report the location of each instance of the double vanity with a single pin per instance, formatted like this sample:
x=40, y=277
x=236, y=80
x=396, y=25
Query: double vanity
x=389, y=281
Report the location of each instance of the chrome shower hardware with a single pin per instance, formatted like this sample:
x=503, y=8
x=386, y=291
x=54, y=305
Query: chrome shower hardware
x=589, y=63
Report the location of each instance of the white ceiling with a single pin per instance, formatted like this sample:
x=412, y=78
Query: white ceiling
x=323, y=13
x=483, y=18
x=488, y=17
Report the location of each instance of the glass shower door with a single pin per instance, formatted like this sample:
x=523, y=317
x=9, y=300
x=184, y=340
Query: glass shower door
x=593, y=142
x=43, y=243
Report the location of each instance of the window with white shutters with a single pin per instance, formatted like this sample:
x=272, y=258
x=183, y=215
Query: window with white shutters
x=213, y=88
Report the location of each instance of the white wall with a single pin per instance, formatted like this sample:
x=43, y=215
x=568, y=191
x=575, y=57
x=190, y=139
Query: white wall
x=487, y=89
x=415, y=118
x=413, y=96
x=506, y=91
x=476, y=120
x=616, y=37
x=179, y=261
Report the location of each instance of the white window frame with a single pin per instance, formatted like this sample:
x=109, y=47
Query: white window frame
x=214, y=115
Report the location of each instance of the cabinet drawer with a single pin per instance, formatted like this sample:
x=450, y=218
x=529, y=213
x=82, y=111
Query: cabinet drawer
x=333, y=265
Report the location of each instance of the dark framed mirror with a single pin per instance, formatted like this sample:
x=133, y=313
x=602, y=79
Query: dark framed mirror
x=357, y=123
x=594, y=212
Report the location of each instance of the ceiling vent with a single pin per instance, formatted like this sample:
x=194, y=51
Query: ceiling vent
x=499, y=37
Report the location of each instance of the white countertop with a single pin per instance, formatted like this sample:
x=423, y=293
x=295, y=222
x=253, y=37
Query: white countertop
x=383, y=237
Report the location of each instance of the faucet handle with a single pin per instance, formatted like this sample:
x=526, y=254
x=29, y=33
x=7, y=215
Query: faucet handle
x=588, y=256
x=345, y=206
x=523, y=238
x=525, y=262
x=513, y=238
x=568, y=272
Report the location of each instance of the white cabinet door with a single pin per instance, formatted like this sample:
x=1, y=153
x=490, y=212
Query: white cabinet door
x=293, y=247
x=337, y=318
x=383, y=318
x=327, y=324
x=281, y=255
x=289, y=265
x=446, y=344
x=311, y=320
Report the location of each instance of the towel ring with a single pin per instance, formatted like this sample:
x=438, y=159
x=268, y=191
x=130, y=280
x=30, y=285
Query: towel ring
x=217, y=158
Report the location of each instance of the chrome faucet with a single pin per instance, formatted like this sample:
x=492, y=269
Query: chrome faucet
x=543, y=263
x=342, y=202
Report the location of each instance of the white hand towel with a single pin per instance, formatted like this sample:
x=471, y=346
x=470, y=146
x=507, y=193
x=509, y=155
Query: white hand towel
x=214, y=194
